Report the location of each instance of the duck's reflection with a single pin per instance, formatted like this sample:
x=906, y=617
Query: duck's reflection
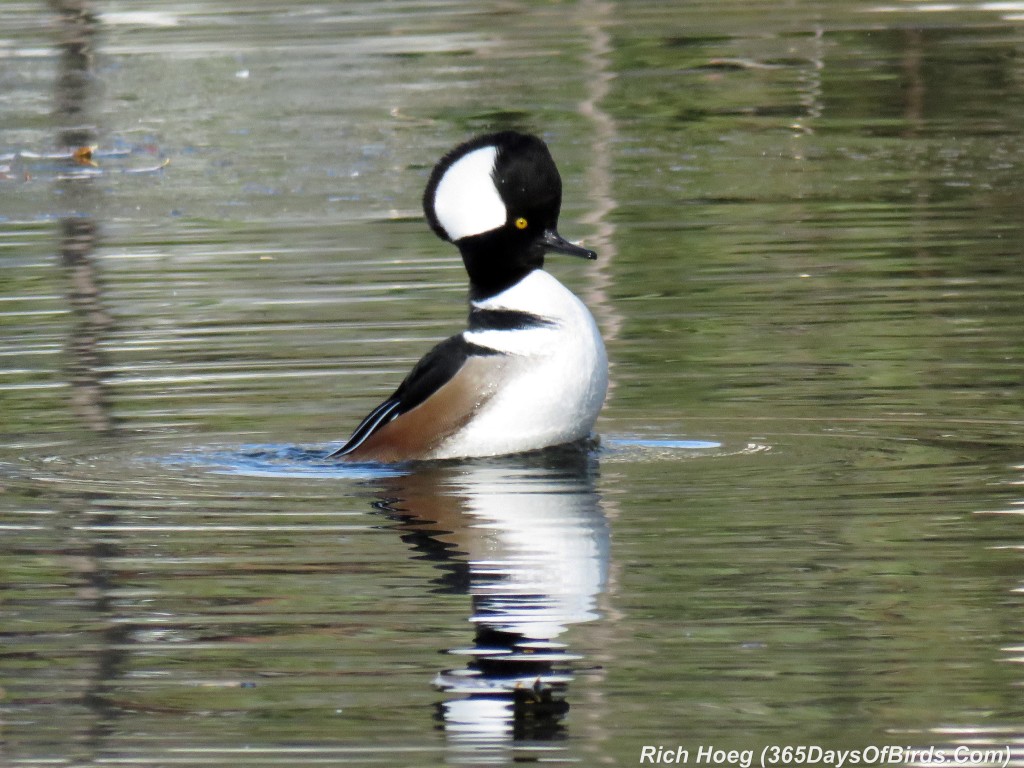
x=527, y=539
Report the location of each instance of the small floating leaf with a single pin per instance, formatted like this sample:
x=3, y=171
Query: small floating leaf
x=83, y=156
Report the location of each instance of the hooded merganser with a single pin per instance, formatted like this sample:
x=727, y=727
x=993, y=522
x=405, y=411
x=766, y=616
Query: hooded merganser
x=530, y=371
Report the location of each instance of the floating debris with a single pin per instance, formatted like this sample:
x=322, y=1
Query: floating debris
x=83, y=156
x=76, y=163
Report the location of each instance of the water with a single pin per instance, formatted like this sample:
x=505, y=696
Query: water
x=802, y=526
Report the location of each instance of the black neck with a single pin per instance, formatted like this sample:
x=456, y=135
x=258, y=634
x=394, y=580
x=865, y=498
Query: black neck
x=494, y=264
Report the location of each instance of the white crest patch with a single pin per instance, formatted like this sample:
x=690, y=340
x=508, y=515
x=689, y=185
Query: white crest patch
x=466, y=202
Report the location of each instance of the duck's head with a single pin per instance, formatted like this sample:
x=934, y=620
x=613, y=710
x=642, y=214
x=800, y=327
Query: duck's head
x=497, y=197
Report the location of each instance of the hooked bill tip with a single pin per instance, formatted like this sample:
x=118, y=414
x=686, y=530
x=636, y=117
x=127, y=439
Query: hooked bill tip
x=555, y=242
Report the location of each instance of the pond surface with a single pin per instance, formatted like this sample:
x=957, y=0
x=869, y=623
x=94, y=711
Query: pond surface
x=803, y=525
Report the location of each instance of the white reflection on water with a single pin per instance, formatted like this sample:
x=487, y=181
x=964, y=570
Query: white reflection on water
x=531, y=540
x=528, y=540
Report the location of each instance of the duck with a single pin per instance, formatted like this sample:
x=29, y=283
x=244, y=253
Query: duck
x=530, y=371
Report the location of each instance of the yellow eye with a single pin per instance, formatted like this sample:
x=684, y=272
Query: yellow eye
x=521, y=223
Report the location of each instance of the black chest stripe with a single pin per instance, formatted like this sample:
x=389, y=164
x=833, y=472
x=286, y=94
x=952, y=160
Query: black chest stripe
x=504, y=320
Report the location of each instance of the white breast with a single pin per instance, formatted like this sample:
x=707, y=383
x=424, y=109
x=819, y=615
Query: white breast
x=554, y=380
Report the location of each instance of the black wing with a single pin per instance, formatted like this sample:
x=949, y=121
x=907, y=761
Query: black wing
x=433, y=371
